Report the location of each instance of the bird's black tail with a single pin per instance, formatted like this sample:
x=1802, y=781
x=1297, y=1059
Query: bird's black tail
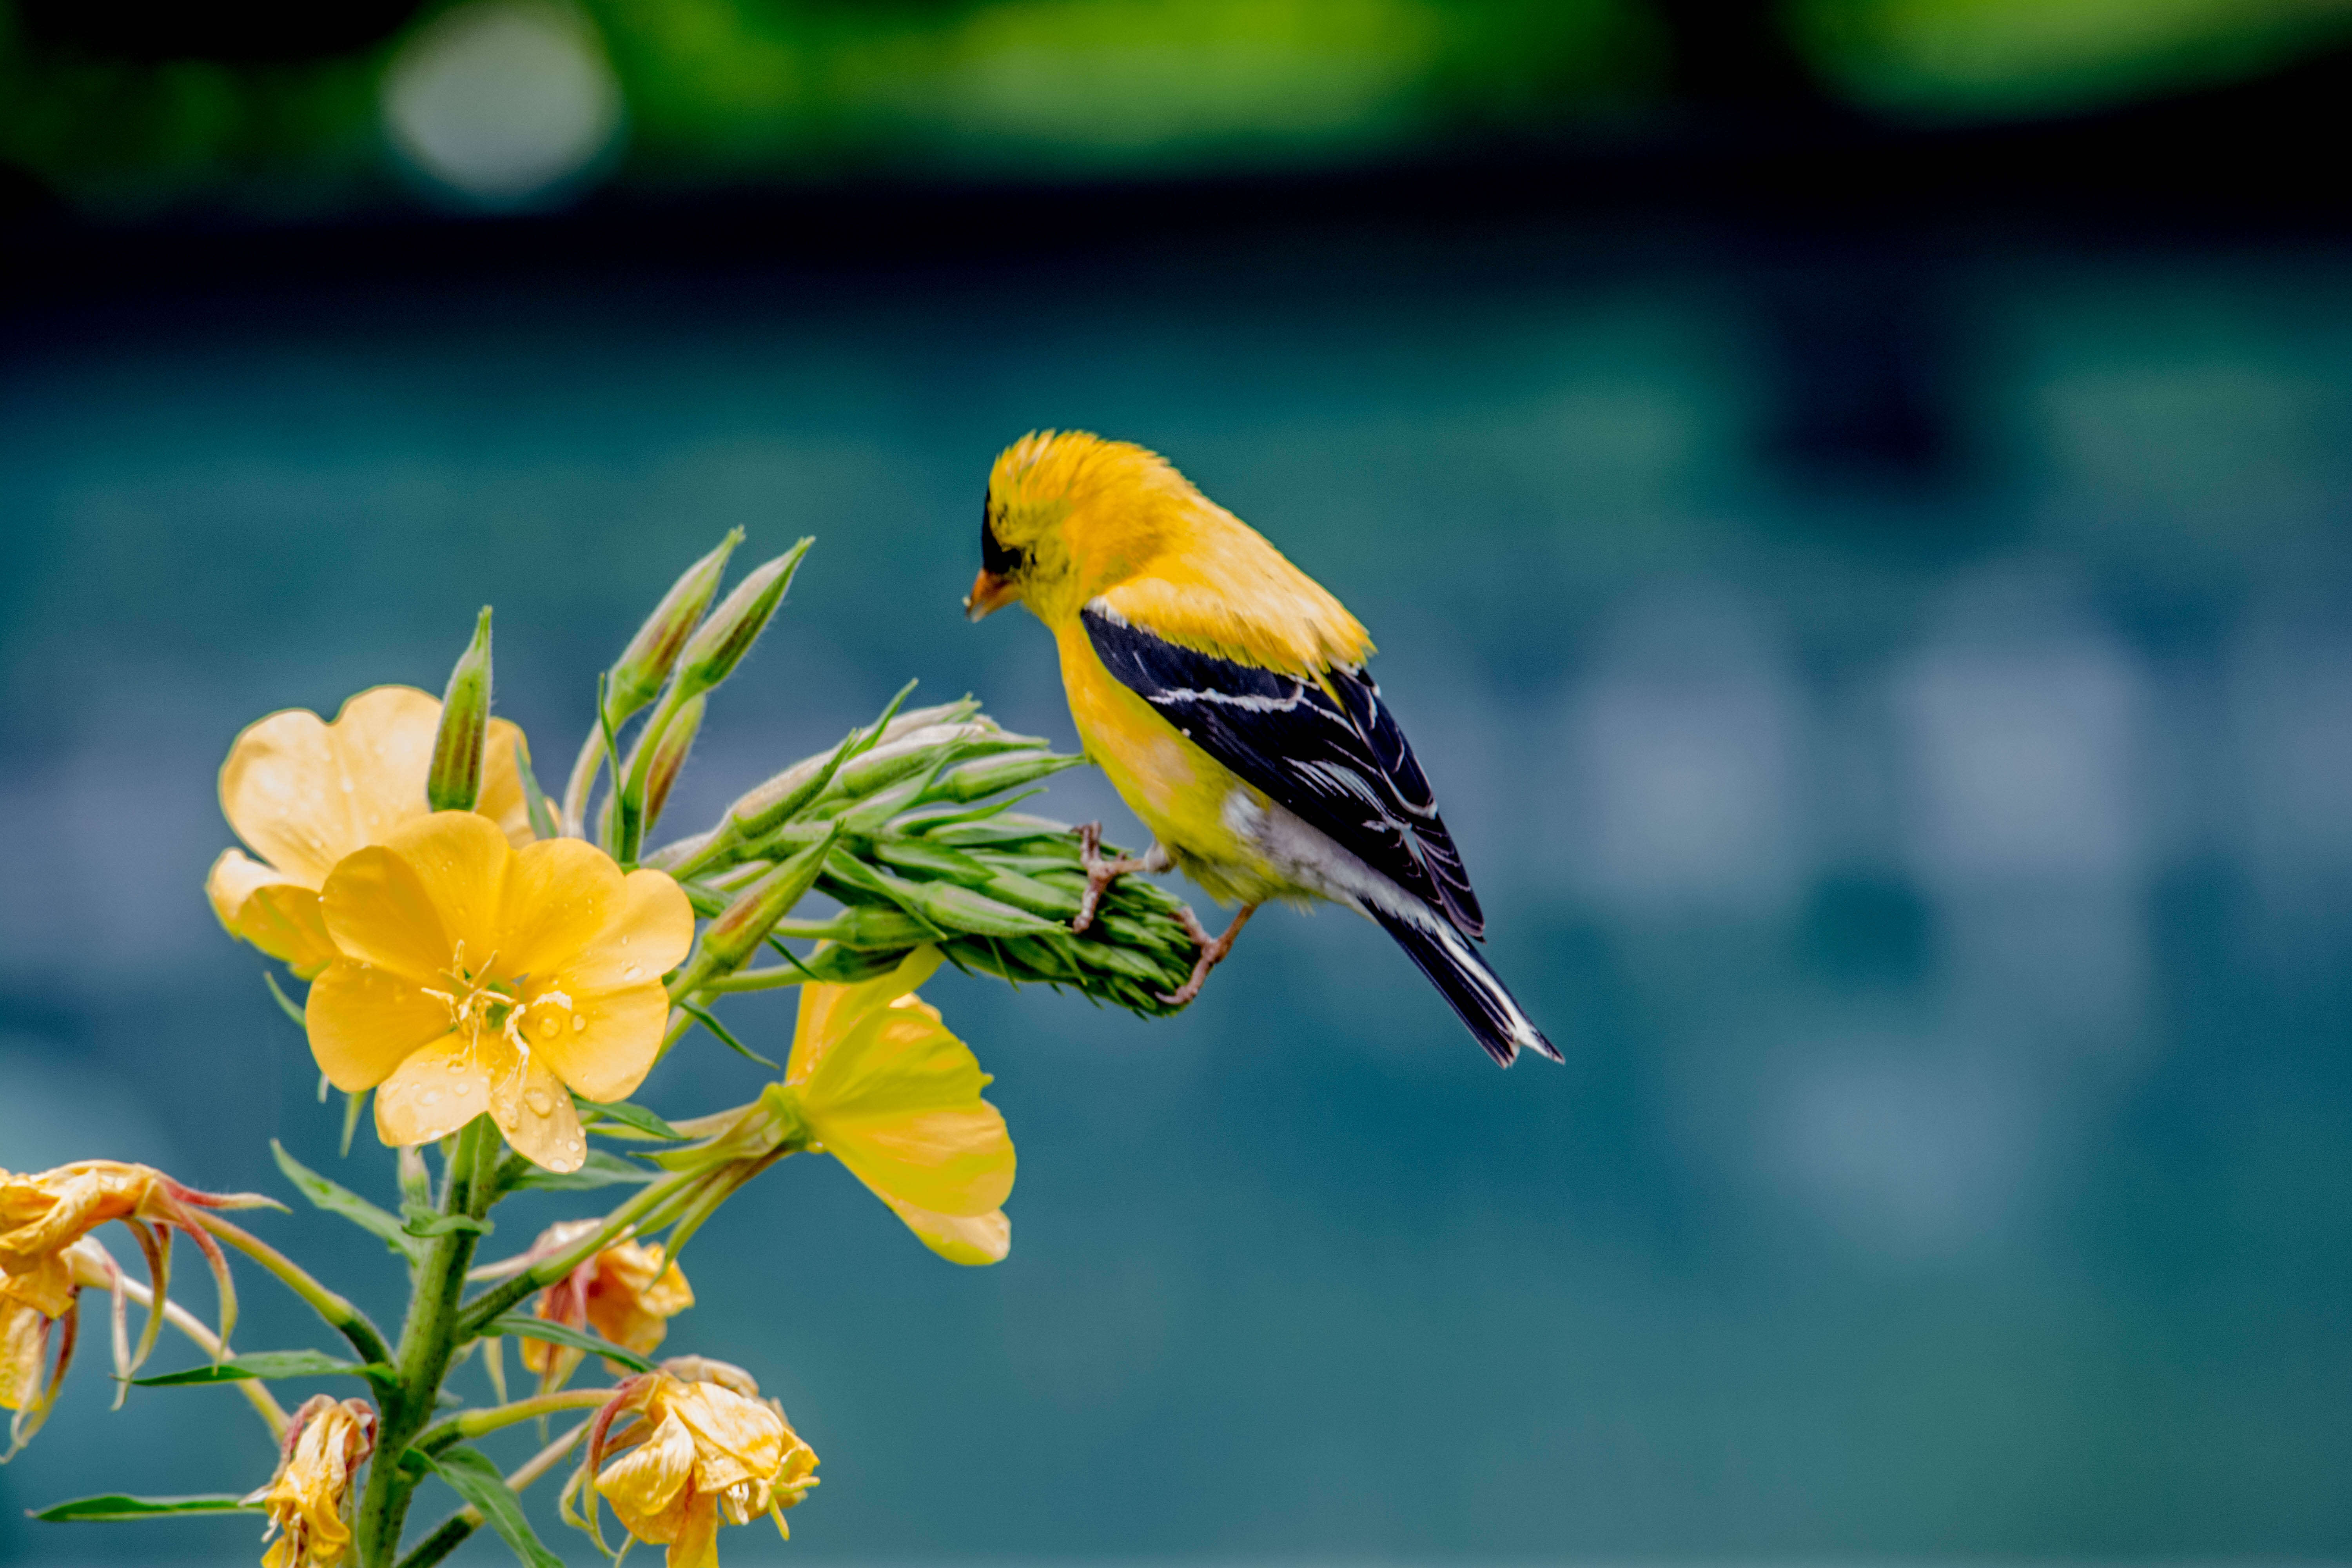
x=1475, y=991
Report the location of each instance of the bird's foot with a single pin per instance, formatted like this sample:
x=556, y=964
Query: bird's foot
x=1101, y=873
x=1212, y=950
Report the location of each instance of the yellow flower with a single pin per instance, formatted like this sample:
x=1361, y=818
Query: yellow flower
x=883, y=1087
x=309, y=1496
x=23, y=1358
x=696, y=1455
x=627, y=1293
x=44, y=1215
x=45, y=1259
x=303, y=794
x=477, y=977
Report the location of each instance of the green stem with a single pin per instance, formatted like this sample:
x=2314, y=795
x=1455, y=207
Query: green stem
x=428, y=1342
x=642, y=1207
x=473, y=1424
x=346, y=1319
x=452, y=1532
x=629, y=797
x=768, y=979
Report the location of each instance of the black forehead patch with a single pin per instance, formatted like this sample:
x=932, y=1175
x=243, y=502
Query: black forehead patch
x=995, y=558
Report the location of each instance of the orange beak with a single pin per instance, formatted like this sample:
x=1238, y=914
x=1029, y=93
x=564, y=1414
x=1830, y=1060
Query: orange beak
x=989, y=593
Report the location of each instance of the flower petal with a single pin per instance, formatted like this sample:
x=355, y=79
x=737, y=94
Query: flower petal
x=281, y=789
x=607, y=1045
x=898, y=1102
x=502, y=799
x=261, y=907
x=365, y=1021
x=435, y=1092
x=406, y=904
x=383, y=749
x=829, y=1012
x=968, y=1239
x=643, y=1484
x=558, y=896
x=648, y=939
x=536, y=1114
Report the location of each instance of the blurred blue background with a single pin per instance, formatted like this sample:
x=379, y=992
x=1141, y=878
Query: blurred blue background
x=1872, y=595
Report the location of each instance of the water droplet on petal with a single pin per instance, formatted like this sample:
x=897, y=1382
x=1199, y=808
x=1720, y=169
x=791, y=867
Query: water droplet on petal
x=453, y=1064
x=430, y=1097
x=463, y=1090
x=578, y=1024
x=633, y=971
x=540, y=1102
x=624, y=942
x=549, y=1025
x=571, y=1145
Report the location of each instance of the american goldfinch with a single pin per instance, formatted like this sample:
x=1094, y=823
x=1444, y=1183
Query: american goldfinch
x=1223, y=691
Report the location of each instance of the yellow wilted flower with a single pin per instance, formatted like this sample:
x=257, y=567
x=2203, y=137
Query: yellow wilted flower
x=303, y=794
x=309, y=1498
x=698, y=1454
x=477, y=977
x=627, y=1293
x=882, y=1086
x=44, y=1217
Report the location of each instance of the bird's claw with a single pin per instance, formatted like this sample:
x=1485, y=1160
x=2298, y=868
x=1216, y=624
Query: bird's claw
x=1213, y=951
x=1101, y=873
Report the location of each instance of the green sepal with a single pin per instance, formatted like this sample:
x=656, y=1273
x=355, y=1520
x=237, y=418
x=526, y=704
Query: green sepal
x=636, y=1119
x=113, y=1506
x=286, y=1004
x=424, y=1222
x=341, y=1202
x=267, y=1365
x=534, y=799
x=523, y=1326
x=603, y=1169
x=471, y=1476
x=351, y=1103
x=726, y=1035
x=848, y=965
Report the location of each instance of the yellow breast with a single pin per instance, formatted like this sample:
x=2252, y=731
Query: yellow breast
x=1179, y=790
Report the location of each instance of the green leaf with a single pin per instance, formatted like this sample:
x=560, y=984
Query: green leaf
x=604, y=1169
x=703, y=1017
x=472, y=1477
x=424, y=1221
x=535, y=800
x=343, y=1203
x=118, y=1506
x=286, y=1003
x=640, y=1122
x=351, y=1103
x=531, y=1327
x=266, y=1364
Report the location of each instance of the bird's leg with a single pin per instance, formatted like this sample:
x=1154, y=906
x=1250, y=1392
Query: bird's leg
x=1102, y=873
x=1212, y=950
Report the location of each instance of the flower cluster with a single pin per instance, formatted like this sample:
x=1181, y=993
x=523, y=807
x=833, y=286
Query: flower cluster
x=500, y=975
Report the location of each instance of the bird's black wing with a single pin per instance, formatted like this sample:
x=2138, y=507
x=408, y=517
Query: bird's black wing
x=1342, y=766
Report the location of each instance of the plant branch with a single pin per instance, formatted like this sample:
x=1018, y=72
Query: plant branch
x=344, y=1318
x=428, y=1342
x=452, y=1532
x=257, y=1393
x=628, y=1217
x=473, y=1424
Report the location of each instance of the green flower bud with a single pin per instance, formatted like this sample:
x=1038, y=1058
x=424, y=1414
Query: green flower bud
x=637, y=675
x=719, y=645
x=670, y=747
x=454, y=782
x=744, y=924
x=978, y=780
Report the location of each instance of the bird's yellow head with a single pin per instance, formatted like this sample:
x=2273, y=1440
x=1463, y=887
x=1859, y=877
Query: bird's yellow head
x=1068, y=515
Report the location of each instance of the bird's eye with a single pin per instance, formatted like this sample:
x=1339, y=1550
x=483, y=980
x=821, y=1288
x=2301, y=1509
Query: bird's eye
x=995, y=558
